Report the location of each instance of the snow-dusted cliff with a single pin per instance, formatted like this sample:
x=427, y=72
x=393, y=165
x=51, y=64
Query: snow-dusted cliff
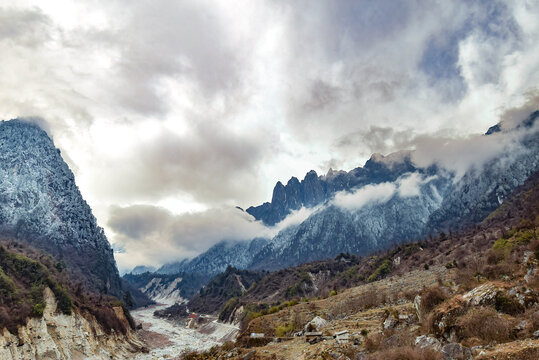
x=41, y=204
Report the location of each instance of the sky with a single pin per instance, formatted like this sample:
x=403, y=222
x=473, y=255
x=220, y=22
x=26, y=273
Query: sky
x=171, y=113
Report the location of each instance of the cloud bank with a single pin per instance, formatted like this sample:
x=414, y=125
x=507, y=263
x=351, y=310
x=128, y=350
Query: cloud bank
x=153, y=235
x=196, y=105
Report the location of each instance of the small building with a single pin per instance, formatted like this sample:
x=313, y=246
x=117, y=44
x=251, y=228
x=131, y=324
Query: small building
x=257, y=335
x=342, y=336
x=193, y=316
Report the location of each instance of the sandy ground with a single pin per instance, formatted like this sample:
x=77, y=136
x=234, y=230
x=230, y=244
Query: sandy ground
x=167, y=340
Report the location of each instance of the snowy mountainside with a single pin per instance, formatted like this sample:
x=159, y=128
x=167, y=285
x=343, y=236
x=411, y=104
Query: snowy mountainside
x=217, y=258
x=41, y=204
x=333, y=229
x=438, y=201
x=314, y=190
x=404, y=202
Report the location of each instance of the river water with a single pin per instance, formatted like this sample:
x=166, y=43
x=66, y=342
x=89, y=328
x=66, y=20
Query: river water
x=167, y=340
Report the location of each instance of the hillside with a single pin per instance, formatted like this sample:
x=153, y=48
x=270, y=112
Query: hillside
x=166, y=288
x=211, y=298
x=474, y=292
x=41, y=307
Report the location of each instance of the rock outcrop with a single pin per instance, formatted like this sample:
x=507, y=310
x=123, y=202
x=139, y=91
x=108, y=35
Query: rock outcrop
x=65, y=337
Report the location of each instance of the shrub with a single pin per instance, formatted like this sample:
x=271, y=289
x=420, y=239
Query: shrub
x=502, y=245
x=524, y=236
x=508, y=305
x=485, y=324
x=284, y=329
x=406, y=353
x=374, y=342
x=292, y=303
x=37, y=310
x=381, y=271
x=108, y=319
x=63, y=299
x=431, y=297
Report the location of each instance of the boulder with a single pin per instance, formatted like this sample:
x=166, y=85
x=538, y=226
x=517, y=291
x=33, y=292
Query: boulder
x=316, y=323
x=427, y=342
x=455, y=351
x=483, y=295
x=390, y=323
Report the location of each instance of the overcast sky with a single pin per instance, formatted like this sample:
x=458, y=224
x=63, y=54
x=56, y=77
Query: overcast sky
x=172, y=112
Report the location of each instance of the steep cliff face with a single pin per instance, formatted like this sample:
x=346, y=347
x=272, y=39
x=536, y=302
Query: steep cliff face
x=314, y=190
x=41, y=204
x=66, y=337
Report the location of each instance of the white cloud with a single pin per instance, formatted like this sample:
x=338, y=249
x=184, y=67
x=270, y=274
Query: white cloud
x=152, y=235
x=365, y=195
x=202, y=104
x=410, y=185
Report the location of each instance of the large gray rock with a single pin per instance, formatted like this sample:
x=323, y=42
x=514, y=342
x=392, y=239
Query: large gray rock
x=428, y=342
x=455, y=351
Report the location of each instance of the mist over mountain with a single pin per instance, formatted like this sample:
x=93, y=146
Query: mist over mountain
x=390, y=200
x=314, y=189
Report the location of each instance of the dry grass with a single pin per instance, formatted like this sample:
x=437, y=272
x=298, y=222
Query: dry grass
x=431, y=297
x=406, y=353
x=485, y=324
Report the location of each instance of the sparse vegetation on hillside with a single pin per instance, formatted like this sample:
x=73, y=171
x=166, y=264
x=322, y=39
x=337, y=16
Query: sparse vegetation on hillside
x=479, y=289
x=24, y=275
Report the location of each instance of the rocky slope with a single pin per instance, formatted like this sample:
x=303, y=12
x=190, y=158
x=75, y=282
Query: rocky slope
x=470, y=294
x=41, y=204
x=60, y=336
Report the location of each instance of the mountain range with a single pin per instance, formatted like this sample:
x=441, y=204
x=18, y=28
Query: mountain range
x=387, y=201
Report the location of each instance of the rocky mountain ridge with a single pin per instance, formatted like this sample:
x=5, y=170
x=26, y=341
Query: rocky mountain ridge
x=41, y=204
x=314, y=190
